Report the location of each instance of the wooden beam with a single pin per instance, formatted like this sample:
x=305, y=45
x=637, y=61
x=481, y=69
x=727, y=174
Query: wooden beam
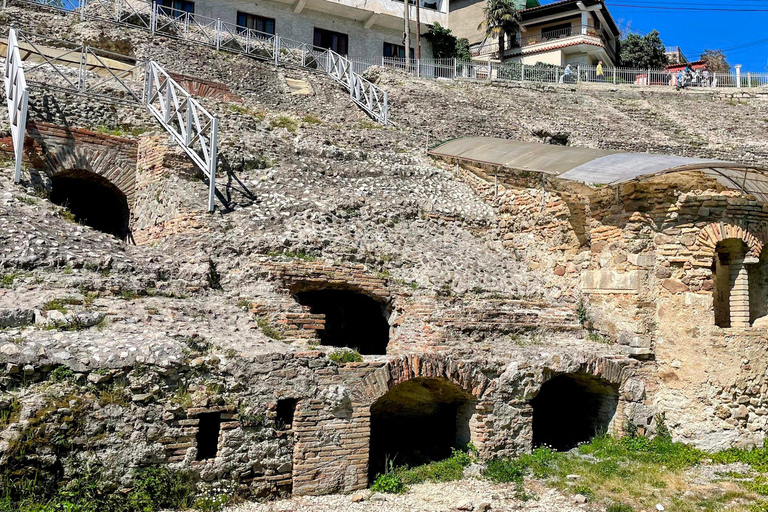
x=299, y=6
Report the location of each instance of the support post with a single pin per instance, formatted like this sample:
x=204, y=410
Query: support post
x=578, y=73
x=218, y=33
x=739, y=296
x=153, y=18
x=189, y=121
x=522, y=72
x=614, y=75
x=21, y=130
x=212, y=164
x=81, y=69
x=276, y=49
x=385, y=110
x=490, y=69
x=738, y=75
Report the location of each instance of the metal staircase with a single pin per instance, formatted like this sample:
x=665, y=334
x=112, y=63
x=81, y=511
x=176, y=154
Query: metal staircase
x=189, y=124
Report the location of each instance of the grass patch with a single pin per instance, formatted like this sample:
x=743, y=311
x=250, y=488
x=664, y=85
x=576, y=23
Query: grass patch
x=345, y=356
x=310, y=119
x=61, y=304
x=367, y=124
x=634, y=473
x=397, y=480
x=8, y=279
x=286, y=122
x=121, y=131
x=27, y=200
x=267, y=329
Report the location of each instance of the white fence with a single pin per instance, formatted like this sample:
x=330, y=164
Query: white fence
x=17, y=99
x=190, y=125
x=488, y=70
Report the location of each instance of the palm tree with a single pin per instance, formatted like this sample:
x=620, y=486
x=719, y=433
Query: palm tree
x=501, y=18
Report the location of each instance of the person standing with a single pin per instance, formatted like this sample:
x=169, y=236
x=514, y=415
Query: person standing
x=599, y=71
x=566, y=78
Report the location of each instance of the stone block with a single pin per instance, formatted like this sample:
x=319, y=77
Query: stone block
x=643, y=260
x=611, y=281
x=16, y=317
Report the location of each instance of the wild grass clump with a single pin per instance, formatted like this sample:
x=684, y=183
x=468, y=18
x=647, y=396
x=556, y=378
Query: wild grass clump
x=286, y=122
x=396, y=480
x=345, y=356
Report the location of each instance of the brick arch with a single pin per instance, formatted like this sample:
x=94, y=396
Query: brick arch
x=57, y=150
x=613, y=369
x=710, y=235
x=404, y=368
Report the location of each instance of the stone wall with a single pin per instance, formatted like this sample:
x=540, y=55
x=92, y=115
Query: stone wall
x=641, y=258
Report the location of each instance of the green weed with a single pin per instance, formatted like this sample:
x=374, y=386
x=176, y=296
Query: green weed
x=345, y=356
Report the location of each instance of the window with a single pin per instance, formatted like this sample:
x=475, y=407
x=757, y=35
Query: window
x=556, y=31
x=331, y=40
x=176, y=8
x=286, y=408
x=396, y=50
x=254, y=22
x=208, y=435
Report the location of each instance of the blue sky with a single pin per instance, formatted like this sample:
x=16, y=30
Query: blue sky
x=740, y=29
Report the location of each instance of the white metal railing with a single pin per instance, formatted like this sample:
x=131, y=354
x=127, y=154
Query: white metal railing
x=179, y=24
x=369, y=97
x=59, y=64
x=188, y=122
x=17, y=99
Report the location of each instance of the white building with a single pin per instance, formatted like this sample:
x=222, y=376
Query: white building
x=566, y=32
x=361, y=29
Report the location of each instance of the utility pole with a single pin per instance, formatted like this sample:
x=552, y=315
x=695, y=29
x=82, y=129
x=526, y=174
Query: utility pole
x=418, y=33
x=406, y=18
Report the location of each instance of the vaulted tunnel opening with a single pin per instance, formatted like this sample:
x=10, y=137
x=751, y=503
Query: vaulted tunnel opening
x=93, y=201
x=419, y=421
x=352, y=319
x=571, y=409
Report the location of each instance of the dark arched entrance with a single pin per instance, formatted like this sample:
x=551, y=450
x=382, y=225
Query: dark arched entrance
x=418, y=421
x=93, y=200
x=352, y=319
x=571, y=409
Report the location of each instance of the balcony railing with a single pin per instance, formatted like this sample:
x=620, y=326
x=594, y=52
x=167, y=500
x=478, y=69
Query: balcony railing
x=547, y=36
x=542, y=37
x=434, y=5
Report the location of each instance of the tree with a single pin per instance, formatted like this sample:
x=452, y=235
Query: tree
x=715, y=60
x=642, y=51
x=443, y=42
x=445, y=45
x=501, y=19
x=462, y=49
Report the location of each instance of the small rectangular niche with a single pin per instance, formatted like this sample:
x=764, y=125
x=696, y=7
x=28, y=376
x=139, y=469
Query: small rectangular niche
x=208, y=435
x=286, y=407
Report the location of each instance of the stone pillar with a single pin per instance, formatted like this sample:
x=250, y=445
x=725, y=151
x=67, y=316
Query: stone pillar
x=739, y=297
x=738, y=75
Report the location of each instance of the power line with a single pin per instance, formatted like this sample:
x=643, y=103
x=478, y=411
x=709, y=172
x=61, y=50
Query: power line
x=666, y=8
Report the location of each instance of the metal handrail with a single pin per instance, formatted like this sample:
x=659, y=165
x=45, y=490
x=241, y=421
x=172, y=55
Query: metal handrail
x=186, y=120
x=17, y=96
x=229, y=37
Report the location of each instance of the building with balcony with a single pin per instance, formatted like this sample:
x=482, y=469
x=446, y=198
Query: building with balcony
x=575, y=32
x=360, y=29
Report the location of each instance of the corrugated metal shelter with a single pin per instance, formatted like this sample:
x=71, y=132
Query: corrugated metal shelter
x=597, y=166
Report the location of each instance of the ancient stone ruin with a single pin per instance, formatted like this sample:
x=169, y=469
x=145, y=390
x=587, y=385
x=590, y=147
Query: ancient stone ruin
x=352, y=299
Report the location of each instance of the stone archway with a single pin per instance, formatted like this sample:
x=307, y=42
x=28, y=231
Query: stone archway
x=422, y=407
x=734, y=251
x=93, y=201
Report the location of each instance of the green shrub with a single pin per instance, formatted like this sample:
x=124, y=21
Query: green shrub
x=389, y=482
x=345, y=356
x=8, y=279
x=267, y=329
x=446, y=470
x=505, y=470
x=619, y=507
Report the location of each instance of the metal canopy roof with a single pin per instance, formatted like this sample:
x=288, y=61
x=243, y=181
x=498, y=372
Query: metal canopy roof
x=596, y=166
